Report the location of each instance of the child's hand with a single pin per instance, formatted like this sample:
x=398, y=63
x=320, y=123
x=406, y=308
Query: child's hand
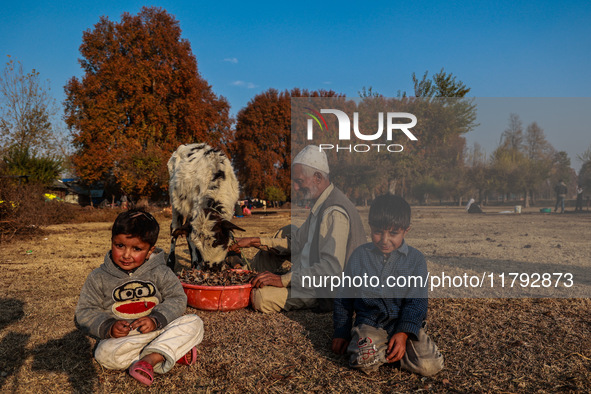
x=120, y=329
x=396, y=347
x=339, y=345
x=144, y=325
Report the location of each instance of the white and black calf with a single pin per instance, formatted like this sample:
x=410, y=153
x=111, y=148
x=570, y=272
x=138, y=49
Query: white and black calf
x=203, y=192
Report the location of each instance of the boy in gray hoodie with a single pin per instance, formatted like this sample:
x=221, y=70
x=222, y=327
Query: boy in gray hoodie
x=134, y=304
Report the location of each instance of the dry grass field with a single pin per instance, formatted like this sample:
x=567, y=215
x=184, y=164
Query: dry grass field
x=516, y=345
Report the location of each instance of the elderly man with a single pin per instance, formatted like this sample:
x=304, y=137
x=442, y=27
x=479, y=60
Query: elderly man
x=320, y=247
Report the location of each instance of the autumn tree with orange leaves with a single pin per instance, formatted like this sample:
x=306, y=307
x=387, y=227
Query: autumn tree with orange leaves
x=262, y=142
x=141, y=96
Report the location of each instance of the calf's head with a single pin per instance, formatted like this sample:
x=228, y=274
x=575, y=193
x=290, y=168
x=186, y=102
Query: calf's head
x=212, y=234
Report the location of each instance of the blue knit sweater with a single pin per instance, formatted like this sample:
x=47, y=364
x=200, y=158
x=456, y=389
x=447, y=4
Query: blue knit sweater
x=381, y=304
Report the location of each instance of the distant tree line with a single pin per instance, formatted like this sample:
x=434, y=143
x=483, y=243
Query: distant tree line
x=524, y=164
x=141, y=95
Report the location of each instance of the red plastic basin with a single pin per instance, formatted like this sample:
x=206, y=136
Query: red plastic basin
x=217, y=298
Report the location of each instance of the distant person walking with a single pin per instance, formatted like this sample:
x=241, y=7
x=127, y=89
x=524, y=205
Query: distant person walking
x=579, y=206
x=561, y=191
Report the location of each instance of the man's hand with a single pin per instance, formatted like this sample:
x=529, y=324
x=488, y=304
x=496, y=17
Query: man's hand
x=120, y=329
x=144, y=325
x=266, y=279
x=396, y=347
x=246, y=242
x=339, y=345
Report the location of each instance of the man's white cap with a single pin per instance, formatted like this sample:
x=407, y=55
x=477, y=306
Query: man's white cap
x=312, y=156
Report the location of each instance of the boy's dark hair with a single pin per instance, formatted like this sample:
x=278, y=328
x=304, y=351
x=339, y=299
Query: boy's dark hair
x=389, y=212
x=137, y=223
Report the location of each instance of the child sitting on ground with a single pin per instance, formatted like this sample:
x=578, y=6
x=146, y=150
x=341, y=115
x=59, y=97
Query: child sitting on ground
x=389, y=323
x=134, y=304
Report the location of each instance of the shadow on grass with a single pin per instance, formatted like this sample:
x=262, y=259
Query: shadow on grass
x=319, y=330
x=13, y=346
x=13, y=351
x=72, y=355
x=12, y=310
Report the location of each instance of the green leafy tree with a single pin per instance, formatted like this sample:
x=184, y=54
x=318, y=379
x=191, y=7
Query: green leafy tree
x=141, y=96
x=42, y=170
x=273, y=193
x=441, y=85
x=446, y=114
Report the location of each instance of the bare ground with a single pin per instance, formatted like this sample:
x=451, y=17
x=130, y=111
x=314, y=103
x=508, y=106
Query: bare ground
x=490, y=345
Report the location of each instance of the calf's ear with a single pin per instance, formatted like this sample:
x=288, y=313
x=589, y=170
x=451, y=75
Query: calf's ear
x=229, y=226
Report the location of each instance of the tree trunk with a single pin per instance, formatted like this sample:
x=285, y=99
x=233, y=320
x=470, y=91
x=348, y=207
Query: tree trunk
x=392, y=186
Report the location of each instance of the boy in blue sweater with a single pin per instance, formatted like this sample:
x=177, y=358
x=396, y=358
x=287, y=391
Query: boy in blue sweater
x=383, y=321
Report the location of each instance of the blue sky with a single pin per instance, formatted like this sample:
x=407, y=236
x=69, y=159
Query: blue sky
x=499, y=49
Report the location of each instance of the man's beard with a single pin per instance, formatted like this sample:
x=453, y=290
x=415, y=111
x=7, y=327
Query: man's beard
x=308, y=194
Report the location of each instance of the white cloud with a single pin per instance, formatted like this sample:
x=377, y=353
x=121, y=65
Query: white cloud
x=248, y=85
x=231, y=60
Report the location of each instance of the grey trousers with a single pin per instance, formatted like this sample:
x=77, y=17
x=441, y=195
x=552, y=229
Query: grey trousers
x=368, y=348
